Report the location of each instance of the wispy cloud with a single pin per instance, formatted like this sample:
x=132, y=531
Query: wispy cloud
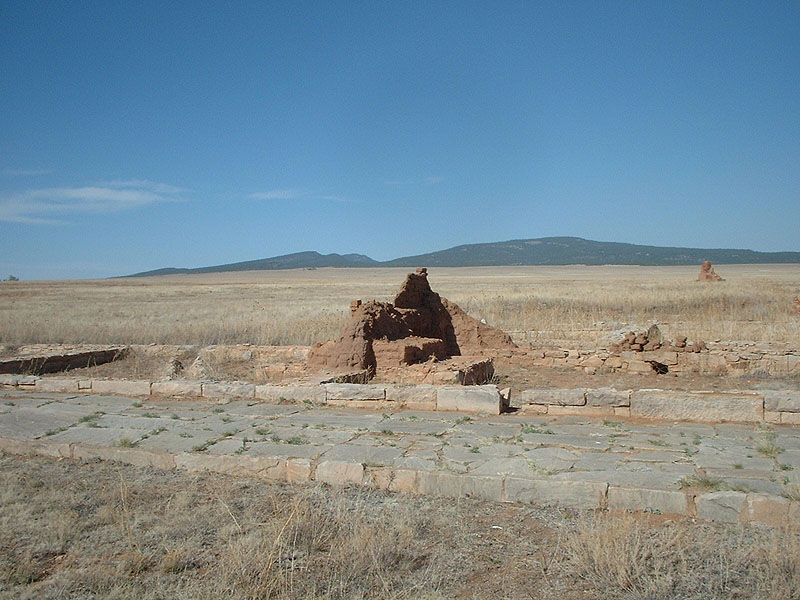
x=424, y=181
x=296, y=194
x=284, y=194
x=25, y=172
x=52, y=205
x=145, y=184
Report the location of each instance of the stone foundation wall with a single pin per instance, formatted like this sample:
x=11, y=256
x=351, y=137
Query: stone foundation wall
x=479, y=399
x=780, y=407
x=720, y=358
x=712, y=407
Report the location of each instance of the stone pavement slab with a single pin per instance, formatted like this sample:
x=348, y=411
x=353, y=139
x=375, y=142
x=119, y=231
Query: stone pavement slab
x=732, y=473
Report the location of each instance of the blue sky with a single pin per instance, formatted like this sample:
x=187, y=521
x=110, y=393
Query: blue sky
x=190, y=134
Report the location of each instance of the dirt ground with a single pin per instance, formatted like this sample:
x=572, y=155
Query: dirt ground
x=103, y=530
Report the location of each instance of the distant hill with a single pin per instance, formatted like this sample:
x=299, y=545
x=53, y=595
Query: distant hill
x=577, y=251
x=298, y=260
x=541, y=251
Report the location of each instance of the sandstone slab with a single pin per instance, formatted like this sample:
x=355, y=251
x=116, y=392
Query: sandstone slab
x=412, y=396
x=648, y=500
x=314, y=394
x=337, y=472
x=122, y=387
x=228, y=391
x=725, y=507
x=608, y=397
x=52, y=384
x=688, y=406
x=470, y=399
x=558, y=397
x=782, y=401
x=572, y=494
x=354, y=391
x=177, y=389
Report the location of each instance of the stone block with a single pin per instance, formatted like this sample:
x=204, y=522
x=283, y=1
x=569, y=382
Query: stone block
x=613, y=362
x=229, y=391
x=8, y=379
x=52, y=384
x=622, y=411
x=177, y=389
x=471, y=399
x=696, y=406
x=314, y=394
x=557, y=397
x=648, y=500
x=782, y=401
x=403, y=480
x=354, y=391
x=337, y=472
x=725, y=507
x=252, y=466
x=594, y=362
x=413, y=396
x=391, y=479
x=35, y=447
x=131, y=456
x=608, y=397
x=767, y=509
x=122, y=387
x=533, y=409
x=584, y=411
x=298, y=470
x=368, y=404
x=453, y=485
x=84, y=384
x=790, y=418
x=639, y=366
x=572, y=494
x=772, y=417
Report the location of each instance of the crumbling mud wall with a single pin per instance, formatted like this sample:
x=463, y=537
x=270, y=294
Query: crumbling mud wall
x=707, y=273
x=417, y=326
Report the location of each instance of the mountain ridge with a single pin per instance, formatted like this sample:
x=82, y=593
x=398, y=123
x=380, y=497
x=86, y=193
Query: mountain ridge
x=522, y=252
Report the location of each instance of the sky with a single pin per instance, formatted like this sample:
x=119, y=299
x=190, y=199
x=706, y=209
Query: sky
x=140, y=135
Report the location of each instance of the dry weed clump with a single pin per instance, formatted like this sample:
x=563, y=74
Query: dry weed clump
x=678, y=560
x=319, y=549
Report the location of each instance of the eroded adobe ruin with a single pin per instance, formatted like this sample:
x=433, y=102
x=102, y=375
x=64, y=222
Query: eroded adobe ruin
x=707, y=273
x=419, y=325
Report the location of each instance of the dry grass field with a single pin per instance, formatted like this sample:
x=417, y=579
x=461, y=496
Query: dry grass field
x=572, y=305
x=99, y=530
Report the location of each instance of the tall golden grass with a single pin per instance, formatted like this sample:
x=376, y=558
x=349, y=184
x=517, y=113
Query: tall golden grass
x=120, y=532
x=573, y=305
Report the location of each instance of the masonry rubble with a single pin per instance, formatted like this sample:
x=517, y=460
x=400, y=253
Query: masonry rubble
x=418, y=326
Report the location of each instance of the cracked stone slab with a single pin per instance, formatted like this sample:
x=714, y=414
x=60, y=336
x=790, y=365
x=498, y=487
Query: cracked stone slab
x=552, y=459
x=97, y=436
